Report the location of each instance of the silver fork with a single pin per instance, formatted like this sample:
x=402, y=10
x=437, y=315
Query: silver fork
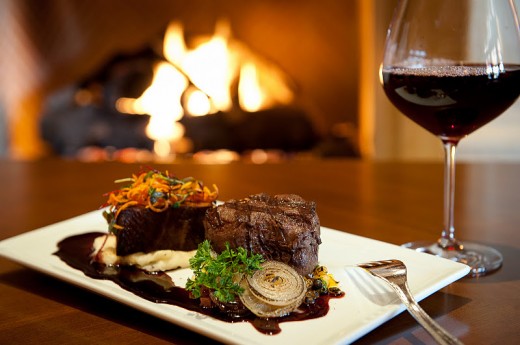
x=394, y=273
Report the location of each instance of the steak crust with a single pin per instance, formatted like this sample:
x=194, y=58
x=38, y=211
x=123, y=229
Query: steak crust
x=145, y=230
x=284, y=227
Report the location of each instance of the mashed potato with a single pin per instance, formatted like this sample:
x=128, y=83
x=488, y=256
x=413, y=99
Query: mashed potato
x=161, y=260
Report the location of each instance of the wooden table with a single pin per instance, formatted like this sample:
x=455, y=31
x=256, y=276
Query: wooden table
x=392, y=202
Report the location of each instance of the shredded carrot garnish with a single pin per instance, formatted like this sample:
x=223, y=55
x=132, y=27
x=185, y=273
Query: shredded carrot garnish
x=158, y=192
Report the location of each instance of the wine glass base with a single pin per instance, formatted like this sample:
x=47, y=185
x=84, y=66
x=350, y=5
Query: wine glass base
x=481, y=259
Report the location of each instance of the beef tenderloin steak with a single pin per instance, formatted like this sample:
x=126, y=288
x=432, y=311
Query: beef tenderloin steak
x=284, y=227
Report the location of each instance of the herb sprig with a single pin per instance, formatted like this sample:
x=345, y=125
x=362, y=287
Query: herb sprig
x=221, y=273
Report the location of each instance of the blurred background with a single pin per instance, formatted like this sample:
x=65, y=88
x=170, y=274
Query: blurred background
x=213, y=81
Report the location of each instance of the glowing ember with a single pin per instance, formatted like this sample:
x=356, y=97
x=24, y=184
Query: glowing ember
x=198, y=103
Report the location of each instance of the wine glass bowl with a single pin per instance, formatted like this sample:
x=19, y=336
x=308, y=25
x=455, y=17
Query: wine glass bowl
x=452, y=66
x=451, y=101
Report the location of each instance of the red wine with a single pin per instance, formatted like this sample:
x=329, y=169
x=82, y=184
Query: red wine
x=452, y=101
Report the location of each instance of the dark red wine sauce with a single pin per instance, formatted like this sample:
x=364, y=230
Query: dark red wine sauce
x=158, y=287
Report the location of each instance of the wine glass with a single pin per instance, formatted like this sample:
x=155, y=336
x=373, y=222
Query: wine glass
x=452, y=66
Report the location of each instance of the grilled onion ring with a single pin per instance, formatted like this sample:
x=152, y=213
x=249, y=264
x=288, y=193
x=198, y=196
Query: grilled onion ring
x=273, y=291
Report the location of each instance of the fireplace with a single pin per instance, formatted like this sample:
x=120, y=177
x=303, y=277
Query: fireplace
x=302, y=61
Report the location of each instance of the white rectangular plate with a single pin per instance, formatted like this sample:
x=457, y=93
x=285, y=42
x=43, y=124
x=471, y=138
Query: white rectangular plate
x=367, y=303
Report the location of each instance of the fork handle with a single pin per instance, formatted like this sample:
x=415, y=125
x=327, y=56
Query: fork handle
x=436, y=331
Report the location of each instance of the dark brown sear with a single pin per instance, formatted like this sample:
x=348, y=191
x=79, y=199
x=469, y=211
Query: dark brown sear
x=177, y=228
x=282, y=228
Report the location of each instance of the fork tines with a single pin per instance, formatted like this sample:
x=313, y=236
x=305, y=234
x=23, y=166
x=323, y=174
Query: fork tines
x=380, y=263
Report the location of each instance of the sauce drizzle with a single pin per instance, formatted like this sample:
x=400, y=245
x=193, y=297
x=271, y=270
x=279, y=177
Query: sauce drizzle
x=158, y=287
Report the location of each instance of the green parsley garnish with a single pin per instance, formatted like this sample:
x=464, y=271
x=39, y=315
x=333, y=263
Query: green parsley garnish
x=221, y=273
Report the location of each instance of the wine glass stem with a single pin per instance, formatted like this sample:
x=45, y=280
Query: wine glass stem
x=447, y=240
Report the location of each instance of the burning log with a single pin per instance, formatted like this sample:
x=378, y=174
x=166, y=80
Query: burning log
x=283, y=128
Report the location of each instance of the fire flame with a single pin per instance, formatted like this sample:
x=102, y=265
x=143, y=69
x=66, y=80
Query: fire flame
x=211, y=67
x=249, y=86
x=204, y=75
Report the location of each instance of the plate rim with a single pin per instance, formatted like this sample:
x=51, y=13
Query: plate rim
x=212, y=328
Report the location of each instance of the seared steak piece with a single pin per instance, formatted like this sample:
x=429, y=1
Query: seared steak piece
x=285, y=228
x=144, y=230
